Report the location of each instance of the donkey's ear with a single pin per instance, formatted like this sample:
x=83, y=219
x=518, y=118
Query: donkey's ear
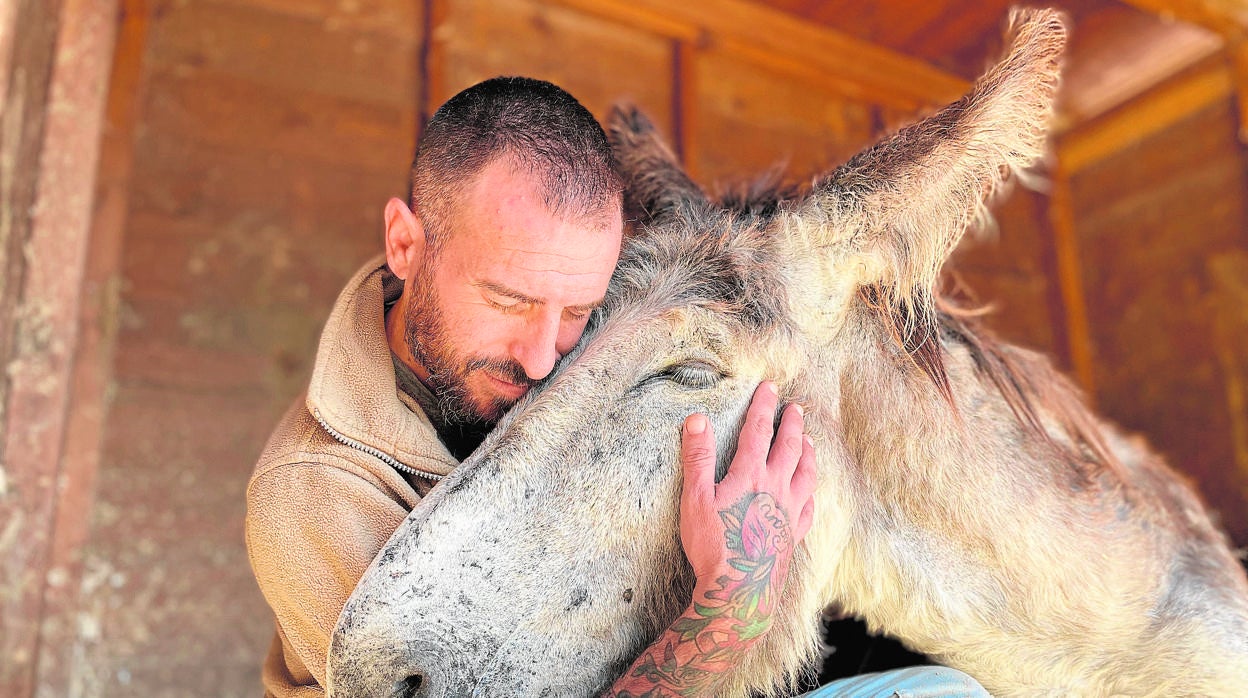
x=901, y=206
x=655, y=185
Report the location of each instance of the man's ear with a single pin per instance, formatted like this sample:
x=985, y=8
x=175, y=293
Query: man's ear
x=405, y=239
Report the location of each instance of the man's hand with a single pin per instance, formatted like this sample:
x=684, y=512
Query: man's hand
x=764, y=505
x=739, y=535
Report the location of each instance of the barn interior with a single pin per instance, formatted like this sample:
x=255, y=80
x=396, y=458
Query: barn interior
x=185, y=185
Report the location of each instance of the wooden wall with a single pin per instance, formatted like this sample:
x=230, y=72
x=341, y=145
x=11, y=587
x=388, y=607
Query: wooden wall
x=251, y=144
x=1163, y=228
x=250, y=147
x=54, y=59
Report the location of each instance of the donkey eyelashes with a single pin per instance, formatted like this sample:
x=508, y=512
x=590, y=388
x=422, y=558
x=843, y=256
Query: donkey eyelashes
x=693, y=374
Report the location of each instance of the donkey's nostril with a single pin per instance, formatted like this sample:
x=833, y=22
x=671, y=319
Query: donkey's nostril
x=408, y=687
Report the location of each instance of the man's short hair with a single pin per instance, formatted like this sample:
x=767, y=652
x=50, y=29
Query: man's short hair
x=538, y=125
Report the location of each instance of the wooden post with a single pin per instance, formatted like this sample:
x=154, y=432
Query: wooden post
x=1070, y=282
x=1239, y=70
x=684, y=102
x=1229, y=273
x=44, y=302
x=92, y=366
x=435, y=89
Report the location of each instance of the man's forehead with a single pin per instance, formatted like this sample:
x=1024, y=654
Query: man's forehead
x=508, y=179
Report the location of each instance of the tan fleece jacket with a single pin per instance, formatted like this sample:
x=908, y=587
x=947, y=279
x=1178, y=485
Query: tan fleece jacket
x=327, y=492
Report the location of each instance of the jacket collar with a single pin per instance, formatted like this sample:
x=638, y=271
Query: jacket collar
x=353, y=389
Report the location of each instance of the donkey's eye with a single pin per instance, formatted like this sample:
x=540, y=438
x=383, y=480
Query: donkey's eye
x=692, y=374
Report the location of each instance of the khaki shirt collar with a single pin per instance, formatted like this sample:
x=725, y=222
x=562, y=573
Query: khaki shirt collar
x=354, y=390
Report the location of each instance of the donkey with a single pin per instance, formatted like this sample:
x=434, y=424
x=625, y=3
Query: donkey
x=968, y=503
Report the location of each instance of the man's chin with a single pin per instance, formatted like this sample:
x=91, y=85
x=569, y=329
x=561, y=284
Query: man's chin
x=490, y=412
x=478, y=410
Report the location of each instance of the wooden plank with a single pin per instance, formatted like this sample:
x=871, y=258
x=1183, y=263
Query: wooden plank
x=48, y=324
x=1113, y=59
x=1150, y=219
x=26, y=57
x=684, y=101
x=8, y=42
x=756, y=28
x=754, y=118
x=652, y=17
x=1151, y=113
x=1227, y=17
x=1229, y=272
x=271, y=48
x=391, y=17
x=545, y=40
x=437, y=16
x=1239, y=68
x=209, y=109
x=1070, y=281
x=27, y=52
x=93, y=363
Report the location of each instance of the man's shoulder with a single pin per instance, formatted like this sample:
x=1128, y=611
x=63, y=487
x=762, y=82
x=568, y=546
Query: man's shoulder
x=300, y=449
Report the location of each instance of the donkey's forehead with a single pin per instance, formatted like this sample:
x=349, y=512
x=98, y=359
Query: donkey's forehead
x=724, y=261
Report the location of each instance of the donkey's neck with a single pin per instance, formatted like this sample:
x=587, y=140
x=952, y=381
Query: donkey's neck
x=935, y=485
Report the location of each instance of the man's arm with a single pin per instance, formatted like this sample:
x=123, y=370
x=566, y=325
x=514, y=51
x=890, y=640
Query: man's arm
x=739, y=536
x=311, y=531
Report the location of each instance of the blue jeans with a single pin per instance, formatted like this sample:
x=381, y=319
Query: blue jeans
x=911, y=682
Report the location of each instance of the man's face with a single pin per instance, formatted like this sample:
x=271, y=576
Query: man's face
x=507, y=295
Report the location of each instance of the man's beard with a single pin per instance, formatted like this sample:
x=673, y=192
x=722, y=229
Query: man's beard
x=427, y=339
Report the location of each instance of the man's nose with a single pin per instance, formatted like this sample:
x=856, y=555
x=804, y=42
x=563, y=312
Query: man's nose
x=536, y=350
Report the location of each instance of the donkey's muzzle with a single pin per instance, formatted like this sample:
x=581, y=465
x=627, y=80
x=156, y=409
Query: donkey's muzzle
x=364, y=665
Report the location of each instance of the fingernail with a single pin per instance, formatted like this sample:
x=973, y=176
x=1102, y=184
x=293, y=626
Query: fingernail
x=800, y=410
x=696, y=424
x=809, y=441
x=771, y=387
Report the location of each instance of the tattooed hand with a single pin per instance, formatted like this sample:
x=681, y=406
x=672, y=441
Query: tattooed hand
x=739, y=535
x=780, y=476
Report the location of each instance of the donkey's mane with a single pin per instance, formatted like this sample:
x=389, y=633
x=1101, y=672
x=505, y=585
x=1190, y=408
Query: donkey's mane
x=1025, y=379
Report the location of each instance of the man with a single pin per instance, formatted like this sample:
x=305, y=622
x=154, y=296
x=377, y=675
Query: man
x=512, y=234
x=505, y=246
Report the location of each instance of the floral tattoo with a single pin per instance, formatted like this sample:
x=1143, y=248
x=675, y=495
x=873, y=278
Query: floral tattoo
x=708, y=639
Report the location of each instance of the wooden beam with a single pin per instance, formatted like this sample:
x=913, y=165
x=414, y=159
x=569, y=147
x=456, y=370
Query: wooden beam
x=1229, y=273
x=92, y=365
x=1150, y=113
x=47, y=323
x=861, y=68
x=1070, y=282
x=1239, y=71
x=684, y=101
x=27, y=53
x=1226, y=17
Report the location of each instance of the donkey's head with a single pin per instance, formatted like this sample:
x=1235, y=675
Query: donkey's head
x=550, y=558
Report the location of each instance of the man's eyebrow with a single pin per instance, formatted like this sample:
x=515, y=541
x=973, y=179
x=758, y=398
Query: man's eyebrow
x=503, y=290
x=586, y=307
x=500, y=289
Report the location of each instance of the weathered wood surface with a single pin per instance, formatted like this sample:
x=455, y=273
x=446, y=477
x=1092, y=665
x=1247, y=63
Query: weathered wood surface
x=51, y=131
x=266, y=137
x=1148, y=221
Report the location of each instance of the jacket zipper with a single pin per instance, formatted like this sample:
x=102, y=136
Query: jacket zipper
x=383, y=457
